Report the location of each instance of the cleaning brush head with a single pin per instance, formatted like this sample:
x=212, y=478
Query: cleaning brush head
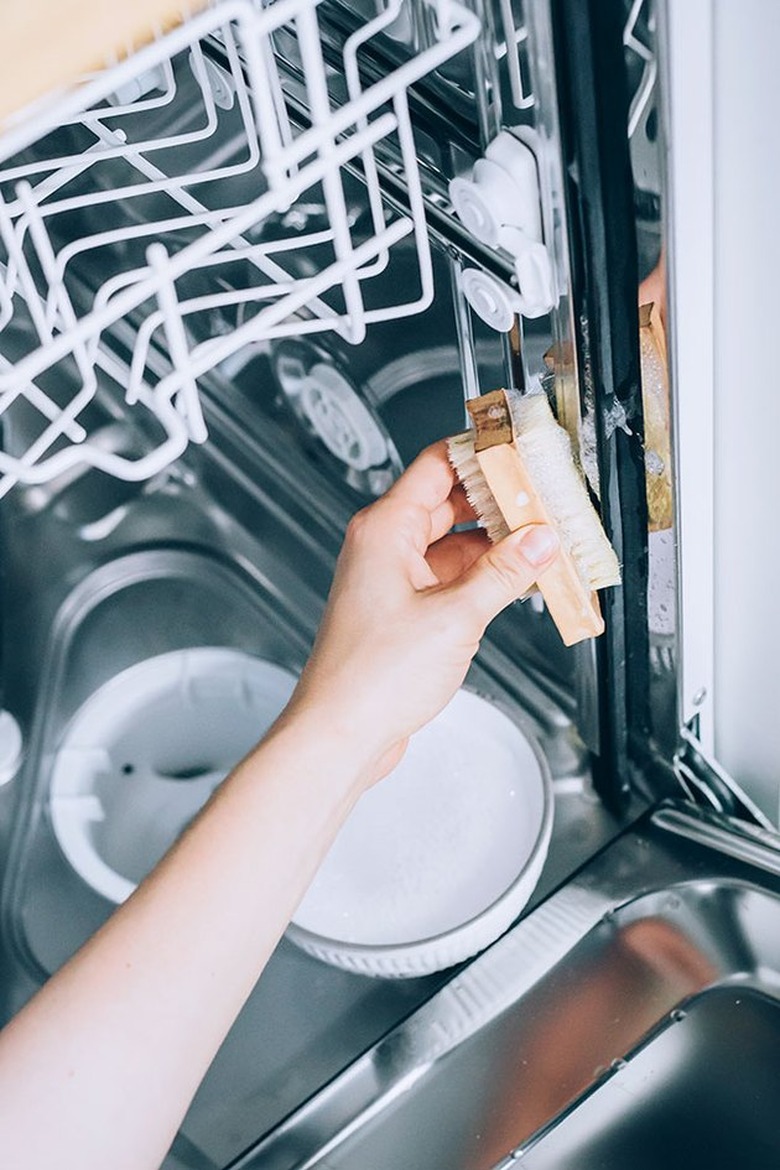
x=464, y=461
x=518, y=468
x=546, y=451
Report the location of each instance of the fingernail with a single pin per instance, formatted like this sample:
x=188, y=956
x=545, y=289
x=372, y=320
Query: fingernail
x=538, y=544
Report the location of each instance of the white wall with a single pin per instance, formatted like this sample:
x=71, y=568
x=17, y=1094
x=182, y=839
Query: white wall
x=747, y=394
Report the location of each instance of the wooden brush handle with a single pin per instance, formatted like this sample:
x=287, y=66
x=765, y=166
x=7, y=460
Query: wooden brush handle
x=574, y=608
x=50, y=44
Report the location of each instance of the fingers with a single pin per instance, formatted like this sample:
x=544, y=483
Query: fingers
x=428, y=480
x=451, y=557
x=653, y=288
x=455, y=510
x=507, y=571
x=429, y=487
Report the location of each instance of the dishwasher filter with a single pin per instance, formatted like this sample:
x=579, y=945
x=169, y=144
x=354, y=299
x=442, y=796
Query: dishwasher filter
x=145, y=752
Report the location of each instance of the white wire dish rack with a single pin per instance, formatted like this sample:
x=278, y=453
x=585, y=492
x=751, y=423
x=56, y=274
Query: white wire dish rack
x=93, y=151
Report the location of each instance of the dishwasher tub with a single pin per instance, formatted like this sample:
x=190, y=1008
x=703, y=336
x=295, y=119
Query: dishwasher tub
x=230, y=548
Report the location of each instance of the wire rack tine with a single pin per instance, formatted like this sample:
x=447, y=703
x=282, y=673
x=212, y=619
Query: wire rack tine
x=291, y=163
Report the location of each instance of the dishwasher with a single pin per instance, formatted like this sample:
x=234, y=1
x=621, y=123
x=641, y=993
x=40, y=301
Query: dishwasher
x=249, y=269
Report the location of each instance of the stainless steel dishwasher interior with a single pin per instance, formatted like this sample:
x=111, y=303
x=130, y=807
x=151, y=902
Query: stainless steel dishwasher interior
x=233, y=547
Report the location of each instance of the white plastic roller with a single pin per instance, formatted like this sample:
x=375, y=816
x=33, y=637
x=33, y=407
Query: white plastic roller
x=500, y=204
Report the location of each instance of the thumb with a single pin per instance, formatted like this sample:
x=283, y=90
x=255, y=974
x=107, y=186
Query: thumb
x=508, y=569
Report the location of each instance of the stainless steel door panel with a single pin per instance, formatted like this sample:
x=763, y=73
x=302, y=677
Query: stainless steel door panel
x=567, y=1028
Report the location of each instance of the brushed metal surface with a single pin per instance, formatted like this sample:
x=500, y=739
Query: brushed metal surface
x=634, y=1012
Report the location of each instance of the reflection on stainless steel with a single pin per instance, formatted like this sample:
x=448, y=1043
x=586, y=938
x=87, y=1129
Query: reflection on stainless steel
x=558, y=1009
x=638, y=39
x=714, y=1073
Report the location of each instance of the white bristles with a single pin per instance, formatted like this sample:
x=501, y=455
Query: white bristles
x=460, y=450
x=546, y=453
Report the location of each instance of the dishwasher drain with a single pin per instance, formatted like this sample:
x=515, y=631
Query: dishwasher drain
x=145, y=751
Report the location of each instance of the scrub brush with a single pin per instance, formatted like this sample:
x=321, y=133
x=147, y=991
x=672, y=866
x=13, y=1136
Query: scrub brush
x=517, y=468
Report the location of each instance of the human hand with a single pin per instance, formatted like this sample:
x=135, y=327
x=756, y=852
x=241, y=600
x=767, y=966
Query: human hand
x=652, y=290
x=409, y=604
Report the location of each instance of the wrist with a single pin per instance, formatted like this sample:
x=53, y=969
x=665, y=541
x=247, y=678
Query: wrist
x=327, y=745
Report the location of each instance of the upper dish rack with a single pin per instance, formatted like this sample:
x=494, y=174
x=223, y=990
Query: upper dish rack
x=188, y=227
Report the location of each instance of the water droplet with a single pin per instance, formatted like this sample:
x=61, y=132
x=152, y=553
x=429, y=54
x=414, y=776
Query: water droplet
x=678, y=1015
x=618, y=1063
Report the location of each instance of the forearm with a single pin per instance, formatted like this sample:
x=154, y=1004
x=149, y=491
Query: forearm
x=139, y=1013
x=99, y=1069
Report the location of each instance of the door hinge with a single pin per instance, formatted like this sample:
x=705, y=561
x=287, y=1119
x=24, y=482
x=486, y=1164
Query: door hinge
x=706, y=783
